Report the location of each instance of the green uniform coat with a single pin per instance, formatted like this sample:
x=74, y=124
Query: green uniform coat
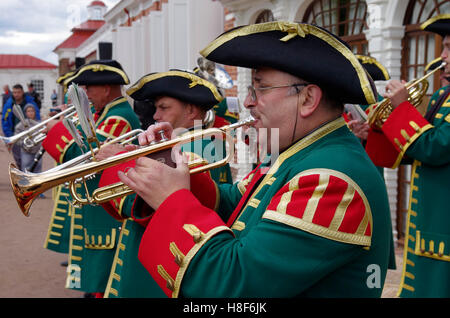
x=94, y=233
x=426, y=263
x=310, y=225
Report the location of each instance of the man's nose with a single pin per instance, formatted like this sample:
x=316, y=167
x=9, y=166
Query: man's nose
x=444, y=54
x=248, y=101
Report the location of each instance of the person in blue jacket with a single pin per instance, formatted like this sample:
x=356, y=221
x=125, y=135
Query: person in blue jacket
x=9, y=120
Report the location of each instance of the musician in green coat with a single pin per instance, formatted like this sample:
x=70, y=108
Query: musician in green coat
x=58, y=234
x=183, y=99
x=311, y=222
x=94, y=233
x=406, y=134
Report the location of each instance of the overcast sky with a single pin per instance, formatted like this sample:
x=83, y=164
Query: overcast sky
x=36, y=27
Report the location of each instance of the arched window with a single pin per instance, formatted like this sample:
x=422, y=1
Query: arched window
x=419, y=47
x=265, y=16
x=345, y=18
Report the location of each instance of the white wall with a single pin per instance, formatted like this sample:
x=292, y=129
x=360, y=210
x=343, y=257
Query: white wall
x=158, y=54
x=170, y=38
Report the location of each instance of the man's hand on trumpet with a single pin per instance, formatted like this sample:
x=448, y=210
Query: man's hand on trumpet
x=153, y=133
x=110, y=150
x=152, y=180
x=359, y=128
x=397, y=93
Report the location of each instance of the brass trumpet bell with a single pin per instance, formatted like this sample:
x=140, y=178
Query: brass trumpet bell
x=24, y=194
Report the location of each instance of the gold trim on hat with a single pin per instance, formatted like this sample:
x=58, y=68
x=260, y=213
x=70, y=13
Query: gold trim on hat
x=195, y=80
x=370, y=60
x=300, y=30
x=99, y=68
x=434, y=19
x=431, y=63
x=64, y=76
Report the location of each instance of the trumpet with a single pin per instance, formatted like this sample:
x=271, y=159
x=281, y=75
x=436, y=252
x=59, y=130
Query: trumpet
x=35, y=134
x=417, y=88
x=27, y=186
x=87, y=157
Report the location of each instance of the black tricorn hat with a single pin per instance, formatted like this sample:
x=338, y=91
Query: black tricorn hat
x=439, y=24
x=303, y=50
x=178, y=84
x=433, y=64
x=375, y=69
x=99, y=72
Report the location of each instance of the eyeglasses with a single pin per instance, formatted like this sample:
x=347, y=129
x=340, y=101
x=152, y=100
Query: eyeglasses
x=252, y=90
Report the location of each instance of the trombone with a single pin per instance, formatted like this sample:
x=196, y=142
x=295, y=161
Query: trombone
x=416, y=90
x=27, y=186
x=36, y=134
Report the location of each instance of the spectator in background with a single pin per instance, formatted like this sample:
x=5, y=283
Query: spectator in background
x=35, y=95
x=6, y=94
x=27, y=154
x=54, y=98
x=9, y=120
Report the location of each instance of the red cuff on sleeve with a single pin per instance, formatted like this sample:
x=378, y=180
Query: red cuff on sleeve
x=404, y=126
x=205, y=189
x=57, y=141
x=380, y=150
x=178, y=229
x=109, y=176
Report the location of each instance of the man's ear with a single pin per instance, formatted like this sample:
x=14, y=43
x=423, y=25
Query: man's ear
x=107, y=89
x=309, y=100
x=191, y=111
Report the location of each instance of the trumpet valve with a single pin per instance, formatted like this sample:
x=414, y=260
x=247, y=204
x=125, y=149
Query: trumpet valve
x=162, y=136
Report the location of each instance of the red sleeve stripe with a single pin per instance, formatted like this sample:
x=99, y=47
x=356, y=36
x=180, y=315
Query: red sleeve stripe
x=315, y=198
x=297, y=194
x=353, y=216
x=328, y=203
x=342, y=208
x=332, y=202
x=114, y=126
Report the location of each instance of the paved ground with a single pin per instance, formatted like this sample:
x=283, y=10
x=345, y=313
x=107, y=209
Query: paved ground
x=393, y=276
x=27, y=270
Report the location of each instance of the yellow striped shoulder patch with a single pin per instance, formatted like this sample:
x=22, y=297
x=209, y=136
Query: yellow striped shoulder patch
x=326, y=203
x=113, y=126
